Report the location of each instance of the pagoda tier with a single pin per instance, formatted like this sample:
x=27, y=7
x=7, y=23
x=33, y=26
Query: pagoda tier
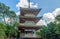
x=29, y=11
x=26, y=18
x=23, y=27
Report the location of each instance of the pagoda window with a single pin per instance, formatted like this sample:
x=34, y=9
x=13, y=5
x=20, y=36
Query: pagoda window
x=29, y=23
x=30, y=33
x=30, y=15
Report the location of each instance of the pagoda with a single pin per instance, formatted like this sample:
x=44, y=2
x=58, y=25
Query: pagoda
x=28, y=19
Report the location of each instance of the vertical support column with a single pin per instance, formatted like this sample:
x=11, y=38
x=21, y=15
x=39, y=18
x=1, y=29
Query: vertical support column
x=29, y=3
x=25, y=34
x=34, y=35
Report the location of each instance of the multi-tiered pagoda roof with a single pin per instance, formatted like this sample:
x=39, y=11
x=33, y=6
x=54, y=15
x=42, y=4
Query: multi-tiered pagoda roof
x=28, y=19
x=29, y=10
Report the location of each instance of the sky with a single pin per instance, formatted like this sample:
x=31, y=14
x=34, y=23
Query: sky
x=50, y=8
x=46, y=5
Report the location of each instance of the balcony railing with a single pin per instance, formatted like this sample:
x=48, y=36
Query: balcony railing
x=28, y=24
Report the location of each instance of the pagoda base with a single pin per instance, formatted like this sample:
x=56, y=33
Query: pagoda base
x=31, y=38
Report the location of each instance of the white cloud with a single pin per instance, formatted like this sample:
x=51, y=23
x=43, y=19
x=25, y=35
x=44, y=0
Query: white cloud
x=56, y=12
x=22, y=3
x=18, y=13
x=33, y=6
x=41, y=22
x=6, y=20
x=25, y=4
x=49, y=17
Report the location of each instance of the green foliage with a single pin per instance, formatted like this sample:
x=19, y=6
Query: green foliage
x=3, y=7
x=58, y=18
x=12, y=14
x=11, y=29
x=51, y=31
x=2, y=30
x=48, y=32
x=5, y=10
x=6, y=29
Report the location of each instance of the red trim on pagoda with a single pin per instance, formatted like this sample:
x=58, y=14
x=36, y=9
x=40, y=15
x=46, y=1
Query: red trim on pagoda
x=25, y=18
x=23, y=27
x=29, y=10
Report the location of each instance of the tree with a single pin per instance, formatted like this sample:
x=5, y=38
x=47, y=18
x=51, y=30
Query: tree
x=11, y=16
x=4, y=10
x=57, y=28
x=48, y=32
x=57, y=18
x=6, y=29
x=2, y=30
x=52, y=30
x=11, y=30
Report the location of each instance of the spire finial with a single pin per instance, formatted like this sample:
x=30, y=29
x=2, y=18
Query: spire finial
x=29, y=3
